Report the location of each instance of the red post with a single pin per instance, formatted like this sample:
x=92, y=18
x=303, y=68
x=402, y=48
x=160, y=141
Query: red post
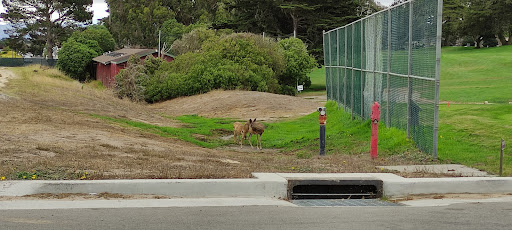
x=375, y=117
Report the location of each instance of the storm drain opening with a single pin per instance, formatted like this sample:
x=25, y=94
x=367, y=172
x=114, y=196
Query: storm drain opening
x=334, y=189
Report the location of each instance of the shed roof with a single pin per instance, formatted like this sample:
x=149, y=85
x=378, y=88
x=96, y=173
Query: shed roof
x=122, y=55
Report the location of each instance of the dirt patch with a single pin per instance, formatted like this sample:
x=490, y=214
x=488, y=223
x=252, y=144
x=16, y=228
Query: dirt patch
x=243, y=105
x=82, y=196
x=450, y=196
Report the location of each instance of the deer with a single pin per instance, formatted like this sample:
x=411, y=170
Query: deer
x=239, y=132
x=255, y=128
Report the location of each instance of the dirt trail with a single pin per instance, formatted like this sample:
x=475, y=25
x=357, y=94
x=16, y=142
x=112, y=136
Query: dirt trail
x=5, y=75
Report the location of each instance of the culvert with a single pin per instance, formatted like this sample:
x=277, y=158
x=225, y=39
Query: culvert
x=346, y=188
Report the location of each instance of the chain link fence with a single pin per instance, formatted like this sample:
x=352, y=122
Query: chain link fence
x=392, y=57
x=15, y=62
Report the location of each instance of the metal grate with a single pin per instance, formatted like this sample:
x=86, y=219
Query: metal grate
x=343, y=202
x=391, y=57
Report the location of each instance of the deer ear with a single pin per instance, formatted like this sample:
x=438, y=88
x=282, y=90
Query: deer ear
x=250, y=121
x=254, y=119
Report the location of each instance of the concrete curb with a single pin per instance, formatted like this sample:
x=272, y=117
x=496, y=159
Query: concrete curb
x=264, y=185
x=270, y=185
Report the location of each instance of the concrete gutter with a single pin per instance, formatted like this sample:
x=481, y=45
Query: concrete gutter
x=270, y=185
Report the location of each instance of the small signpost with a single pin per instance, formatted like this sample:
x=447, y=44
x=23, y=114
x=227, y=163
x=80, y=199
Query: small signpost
x=300, y=88
x=501, y=156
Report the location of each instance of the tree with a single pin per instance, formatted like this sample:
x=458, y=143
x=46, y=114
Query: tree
x=75, y=57
x=45, y=19
x=478, y=21
x=136, y=22
x=452, y=19
x=298, y=64
x=97, y=33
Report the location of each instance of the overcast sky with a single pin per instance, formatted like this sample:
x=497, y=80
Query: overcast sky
x=99, y=8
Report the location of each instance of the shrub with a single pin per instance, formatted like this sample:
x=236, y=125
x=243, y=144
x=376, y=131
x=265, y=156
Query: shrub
x=193, y=41
x=74, y=57
x=298, y=64
x=130, y=81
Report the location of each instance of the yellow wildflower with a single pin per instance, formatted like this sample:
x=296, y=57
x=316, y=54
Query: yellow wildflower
x=34, y=177
x=24, y=177
x=293, y=168
x=2, y=178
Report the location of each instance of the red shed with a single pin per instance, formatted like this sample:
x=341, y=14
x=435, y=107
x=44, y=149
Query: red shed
x=109, y=64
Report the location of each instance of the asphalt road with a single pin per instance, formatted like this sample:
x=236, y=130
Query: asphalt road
x=457, y=216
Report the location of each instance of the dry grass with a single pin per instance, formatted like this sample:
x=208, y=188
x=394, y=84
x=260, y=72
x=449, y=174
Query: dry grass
x=47, y=132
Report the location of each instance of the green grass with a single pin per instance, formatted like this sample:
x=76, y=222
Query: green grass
x=471, y=135
x=346, y=136
x=343, y=135
x=317, y=77
x=199, y=130
x=476, y=75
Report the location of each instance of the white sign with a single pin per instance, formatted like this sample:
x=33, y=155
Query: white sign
x=300, y=87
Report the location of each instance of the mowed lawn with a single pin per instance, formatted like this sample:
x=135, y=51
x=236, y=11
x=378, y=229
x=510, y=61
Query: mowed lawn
x=476, y=75
x=470, y=131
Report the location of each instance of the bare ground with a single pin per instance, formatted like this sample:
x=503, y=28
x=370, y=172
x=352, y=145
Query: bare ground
x=46, y=130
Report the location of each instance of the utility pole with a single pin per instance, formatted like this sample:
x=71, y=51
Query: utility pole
x=159, y=33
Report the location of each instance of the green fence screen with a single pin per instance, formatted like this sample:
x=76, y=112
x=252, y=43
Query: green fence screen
x=392, y=57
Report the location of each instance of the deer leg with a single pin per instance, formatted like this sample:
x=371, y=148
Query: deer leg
x=250, y=135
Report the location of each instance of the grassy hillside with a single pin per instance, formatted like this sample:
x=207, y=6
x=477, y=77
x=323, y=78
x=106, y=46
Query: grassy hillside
x=476, y=75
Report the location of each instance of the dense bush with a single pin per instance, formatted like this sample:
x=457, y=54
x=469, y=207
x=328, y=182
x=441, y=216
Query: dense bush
x=131, y=81
x=74, y=58
x=219, y=61
x=100, y=34
x=298, y=64
x=76, y=54
x=235, y=61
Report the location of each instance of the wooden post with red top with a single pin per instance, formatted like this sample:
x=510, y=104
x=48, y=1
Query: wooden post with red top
x=375, y=117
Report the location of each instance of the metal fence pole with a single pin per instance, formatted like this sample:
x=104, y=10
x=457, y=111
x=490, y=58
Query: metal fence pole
x=338, y=101
x=388, y=119
x=375, y=61
x=330, y=74
x=325, y=63
x=345, y=75
x=438, y=75
x=352, y=94
x=362, y=72
x=409, y=72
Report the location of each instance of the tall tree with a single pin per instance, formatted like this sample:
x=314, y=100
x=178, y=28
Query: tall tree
x=45, y=19
x=136, y=22
x=452, y=20
x=477, y=21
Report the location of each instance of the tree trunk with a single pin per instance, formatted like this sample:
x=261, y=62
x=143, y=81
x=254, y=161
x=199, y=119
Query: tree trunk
x=501, y=39
x=295, y=21
x=49, y=42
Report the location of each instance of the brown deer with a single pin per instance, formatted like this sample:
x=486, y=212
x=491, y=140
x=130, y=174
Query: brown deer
x=255, y=128
x=238, y=133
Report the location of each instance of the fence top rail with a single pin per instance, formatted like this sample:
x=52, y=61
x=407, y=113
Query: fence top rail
x=370, y=16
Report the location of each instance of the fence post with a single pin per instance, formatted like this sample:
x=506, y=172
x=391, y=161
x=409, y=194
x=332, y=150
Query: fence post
x=345, y=75
x=352, y=94
x=409, y=72
x=388, y=119
x=338, y=101
x=362, y=72
x=375, y=61
x=438, y=75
